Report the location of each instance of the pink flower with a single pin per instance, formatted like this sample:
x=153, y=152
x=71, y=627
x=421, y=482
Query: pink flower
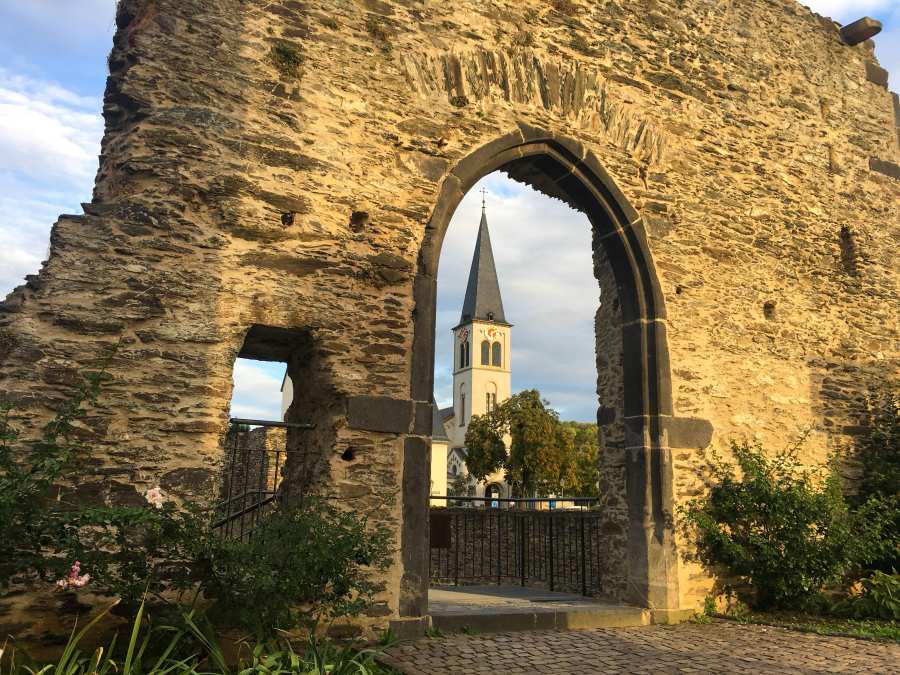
x=155, y=497
x=74, y=579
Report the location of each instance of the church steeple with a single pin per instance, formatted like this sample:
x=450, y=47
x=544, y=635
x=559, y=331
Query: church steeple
x=483, y=301
x=481, y=359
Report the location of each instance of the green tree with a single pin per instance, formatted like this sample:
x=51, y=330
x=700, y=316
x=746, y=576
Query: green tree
x=537, y=449
x=485, y=449
x=546, y=456
x=585, y=459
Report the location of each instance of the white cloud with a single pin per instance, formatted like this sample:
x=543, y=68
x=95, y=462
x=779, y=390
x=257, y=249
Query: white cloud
x=848, y=10
x=49, y=142
x=257, y=390
x=47, y=131
x=64, y=22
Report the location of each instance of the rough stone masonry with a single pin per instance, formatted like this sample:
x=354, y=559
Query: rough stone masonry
x=276, y=177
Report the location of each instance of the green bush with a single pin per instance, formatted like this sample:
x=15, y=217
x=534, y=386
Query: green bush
x=311, y=563
x=879, y=599
x=29, y=476
x=879, y=490
x=782, y=530
x=307, y=564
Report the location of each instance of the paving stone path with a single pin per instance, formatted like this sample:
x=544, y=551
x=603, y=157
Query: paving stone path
x=718, y=647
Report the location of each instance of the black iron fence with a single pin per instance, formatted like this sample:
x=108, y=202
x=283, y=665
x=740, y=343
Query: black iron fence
x=252, y=483
x=548, y=543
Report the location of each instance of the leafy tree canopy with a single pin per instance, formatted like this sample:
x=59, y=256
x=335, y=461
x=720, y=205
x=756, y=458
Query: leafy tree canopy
x=546, y=456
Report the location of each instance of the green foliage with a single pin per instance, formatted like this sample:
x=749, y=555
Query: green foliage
x=879, y=489
x=871, y=629
x=546, y=456
x=308, y=563
x=287, y=58
x=879, y=448
x=879, y=599
x=29, y=473
x=585, y=459
x=130, y=551
x=783, y=530
x=485, y=449
x=192, y=648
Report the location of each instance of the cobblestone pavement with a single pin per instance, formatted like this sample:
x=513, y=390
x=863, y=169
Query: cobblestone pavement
x=719, y=647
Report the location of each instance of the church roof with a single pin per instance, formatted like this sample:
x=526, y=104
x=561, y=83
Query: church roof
x=483, y=301
x=437, y=424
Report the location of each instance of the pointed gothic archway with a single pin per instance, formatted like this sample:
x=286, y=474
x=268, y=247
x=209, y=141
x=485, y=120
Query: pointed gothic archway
x=632, y=359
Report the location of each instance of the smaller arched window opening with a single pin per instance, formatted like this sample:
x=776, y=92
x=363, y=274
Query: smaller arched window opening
x=485, y=353
x=453, y=469
x=463, y=354
x=490, y=402
x=462, y=409
x=496, y=355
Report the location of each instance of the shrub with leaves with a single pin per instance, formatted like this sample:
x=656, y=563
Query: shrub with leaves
x=312, y=562
x=783, y=530
x=309, y=563
x=29, y=484
x=879, y=489
x=133, y=551
x=879, y=599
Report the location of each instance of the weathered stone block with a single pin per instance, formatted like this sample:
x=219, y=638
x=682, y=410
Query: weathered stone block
x=876, y=74
x=380, y=413
x=883, y=166
x=860, y=30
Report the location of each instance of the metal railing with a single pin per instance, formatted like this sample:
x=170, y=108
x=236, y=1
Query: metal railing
x=252, y=483
x=518, y=541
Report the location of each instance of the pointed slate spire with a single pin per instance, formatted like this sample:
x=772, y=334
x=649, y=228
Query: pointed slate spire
x=483, y=301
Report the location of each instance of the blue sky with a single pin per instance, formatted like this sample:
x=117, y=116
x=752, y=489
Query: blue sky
x=52, y=73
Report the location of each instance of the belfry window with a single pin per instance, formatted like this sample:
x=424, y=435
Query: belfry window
x=463, y=354
x=490, y=402
x=485, y=353
x=496, y=355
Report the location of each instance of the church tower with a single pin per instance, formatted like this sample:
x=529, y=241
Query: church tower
x=481, y=360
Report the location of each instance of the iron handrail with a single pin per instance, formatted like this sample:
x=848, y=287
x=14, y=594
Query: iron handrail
x=248, y=509
x=271, y=423
x=515, y=499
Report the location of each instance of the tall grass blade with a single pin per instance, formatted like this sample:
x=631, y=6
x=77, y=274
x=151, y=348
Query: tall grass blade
x=135, y=631
x=70, y=653
x=213, y=649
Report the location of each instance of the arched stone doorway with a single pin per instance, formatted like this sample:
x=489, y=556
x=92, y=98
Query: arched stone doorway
x=632, y=355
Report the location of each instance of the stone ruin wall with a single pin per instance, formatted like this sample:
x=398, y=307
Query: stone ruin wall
x=761, y=152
